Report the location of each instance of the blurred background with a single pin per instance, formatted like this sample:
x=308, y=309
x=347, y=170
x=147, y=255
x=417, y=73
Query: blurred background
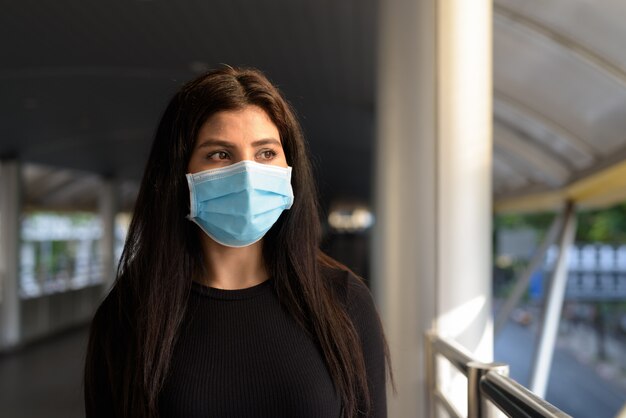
x=471, y=158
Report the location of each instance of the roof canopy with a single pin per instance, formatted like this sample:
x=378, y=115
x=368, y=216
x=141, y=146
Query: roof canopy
x=559, y=103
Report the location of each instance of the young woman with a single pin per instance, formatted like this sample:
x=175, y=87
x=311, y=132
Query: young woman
x=224, y=306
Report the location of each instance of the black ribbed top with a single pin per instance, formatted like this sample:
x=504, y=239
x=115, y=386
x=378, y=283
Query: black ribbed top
x=240, y=354
x=238, y=294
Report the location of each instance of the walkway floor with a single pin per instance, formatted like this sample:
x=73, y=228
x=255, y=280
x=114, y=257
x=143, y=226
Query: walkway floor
x=574, y=387
x=44, y=380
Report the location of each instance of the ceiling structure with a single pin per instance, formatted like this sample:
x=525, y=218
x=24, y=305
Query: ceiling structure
x=559, y=101
x=83, y=83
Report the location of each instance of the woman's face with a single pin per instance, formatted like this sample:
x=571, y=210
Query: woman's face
x=231, y=136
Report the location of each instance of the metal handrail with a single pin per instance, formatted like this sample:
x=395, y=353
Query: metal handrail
x=486, y=382
x=454, y=352
x=515, y=399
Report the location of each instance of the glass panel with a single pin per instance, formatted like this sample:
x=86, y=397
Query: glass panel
x=59, y=252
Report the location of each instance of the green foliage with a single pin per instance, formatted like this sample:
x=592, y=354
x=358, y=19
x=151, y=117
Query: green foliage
x=519, y=221
x=606, y=226
x=538, y=221
x=601, y=226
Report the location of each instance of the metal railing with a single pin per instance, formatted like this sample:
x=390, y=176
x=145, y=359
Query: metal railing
x=487, y=383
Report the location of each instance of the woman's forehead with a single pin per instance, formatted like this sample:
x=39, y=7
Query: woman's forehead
x=248, y=124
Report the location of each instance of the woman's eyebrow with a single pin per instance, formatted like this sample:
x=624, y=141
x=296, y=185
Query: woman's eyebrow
x=266, y=141
x=215, y=143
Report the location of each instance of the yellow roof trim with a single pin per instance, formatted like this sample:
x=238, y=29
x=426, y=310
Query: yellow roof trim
x=601, y=189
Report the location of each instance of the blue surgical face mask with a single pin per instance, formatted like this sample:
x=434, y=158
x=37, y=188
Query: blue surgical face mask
x=238, y=204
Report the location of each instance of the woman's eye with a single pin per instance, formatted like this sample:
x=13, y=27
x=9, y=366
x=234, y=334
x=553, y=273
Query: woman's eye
x=267, y=155
x=219, y=155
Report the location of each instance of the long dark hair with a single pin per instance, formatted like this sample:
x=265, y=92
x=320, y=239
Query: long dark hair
x=162, y=253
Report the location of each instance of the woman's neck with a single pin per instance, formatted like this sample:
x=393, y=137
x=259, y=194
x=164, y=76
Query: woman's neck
x=232, y=268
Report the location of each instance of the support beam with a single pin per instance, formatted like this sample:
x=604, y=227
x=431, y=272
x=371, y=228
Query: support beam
x=522, y=283
x=552, y=307
x=10, y=207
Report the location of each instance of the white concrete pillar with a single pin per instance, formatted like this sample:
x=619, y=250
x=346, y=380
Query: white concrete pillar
x=464, y=103
x=108, y=205
x=432, y=244
x=404, y=240
x=10, y=207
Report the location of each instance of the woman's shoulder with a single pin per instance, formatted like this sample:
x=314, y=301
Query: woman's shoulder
x=109, y=316
x=362, y=311
x=352, y=291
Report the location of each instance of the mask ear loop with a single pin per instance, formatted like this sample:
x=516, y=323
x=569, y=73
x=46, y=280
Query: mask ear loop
x=192, y=197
